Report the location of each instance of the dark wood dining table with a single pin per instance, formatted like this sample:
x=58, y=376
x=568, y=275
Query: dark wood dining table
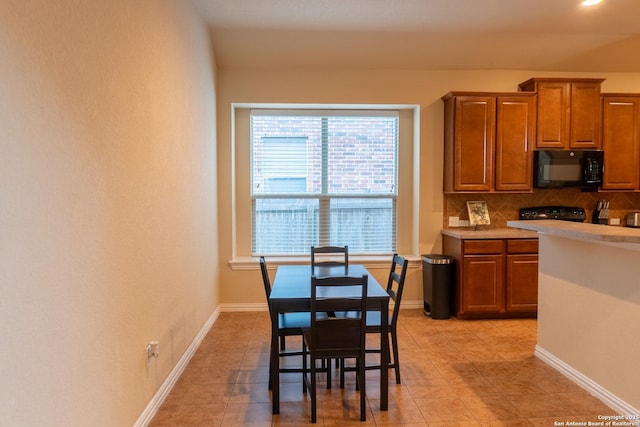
x=291, y=292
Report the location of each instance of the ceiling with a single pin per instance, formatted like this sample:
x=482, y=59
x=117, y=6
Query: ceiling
x=545, y=35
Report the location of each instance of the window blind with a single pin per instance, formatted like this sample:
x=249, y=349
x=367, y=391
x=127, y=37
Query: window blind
x=323, y=178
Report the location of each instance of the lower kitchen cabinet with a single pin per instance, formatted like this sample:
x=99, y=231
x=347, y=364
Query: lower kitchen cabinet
x=482, y=273
x=522, y=276
x=494, y=277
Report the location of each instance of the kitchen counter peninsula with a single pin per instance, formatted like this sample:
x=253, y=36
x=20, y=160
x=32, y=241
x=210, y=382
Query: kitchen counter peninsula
x=581, y=230
x=589, y=307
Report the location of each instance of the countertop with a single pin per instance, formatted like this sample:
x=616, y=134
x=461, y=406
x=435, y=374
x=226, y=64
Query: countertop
x=580, y=230
x=497, y=233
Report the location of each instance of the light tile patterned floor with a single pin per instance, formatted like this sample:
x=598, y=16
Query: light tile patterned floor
x=454, y=373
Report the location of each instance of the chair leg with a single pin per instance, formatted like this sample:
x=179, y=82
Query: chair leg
x=313, y=391
x=358, y=373
x=329, y=364
x=363, y=397
x=340, y=362
x=304, y=367
x=396, y=362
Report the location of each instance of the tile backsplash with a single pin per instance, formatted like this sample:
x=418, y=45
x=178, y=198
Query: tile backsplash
x=505, y=207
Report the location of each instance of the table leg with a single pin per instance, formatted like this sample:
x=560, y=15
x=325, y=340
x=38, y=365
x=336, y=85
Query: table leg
x=384, y=357
x=274, y=364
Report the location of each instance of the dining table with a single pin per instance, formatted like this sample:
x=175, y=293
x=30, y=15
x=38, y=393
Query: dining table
x=291, y=292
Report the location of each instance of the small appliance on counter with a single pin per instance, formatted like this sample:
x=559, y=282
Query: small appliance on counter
x=601, y=213
x=564, y=213
x=633, y=219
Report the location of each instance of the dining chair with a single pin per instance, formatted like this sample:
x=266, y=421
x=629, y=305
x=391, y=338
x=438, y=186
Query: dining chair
x=395, y=286
x=329, y=256
x=336, y=337
x=289, y=324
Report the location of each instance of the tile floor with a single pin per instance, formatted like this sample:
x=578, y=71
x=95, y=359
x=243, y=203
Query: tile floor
x=454, y=373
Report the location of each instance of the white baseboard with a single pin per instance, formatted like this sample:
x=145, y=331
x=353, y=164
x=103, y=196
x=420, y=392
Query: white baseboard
x=231, y=307
x=412, y=304
x=162, y=393
x=608, y=398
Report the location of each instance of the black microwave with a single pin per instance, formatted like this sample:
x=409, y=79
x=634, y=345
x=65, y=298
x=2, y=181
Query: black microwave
x=568, y=168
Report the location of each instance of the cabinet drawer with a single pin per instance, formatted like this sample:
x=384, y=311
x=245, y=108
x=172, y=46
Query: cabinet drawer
x=522, y=246
x=482, y=247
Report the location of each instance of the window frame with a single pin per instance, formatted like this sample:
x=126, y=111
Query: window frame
x=407, y=209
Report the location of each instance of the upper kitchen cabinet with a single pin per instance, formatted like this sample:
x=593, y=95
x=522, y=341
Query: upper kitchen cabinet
x=621, y=141
x=568, y=114
x=488, y=142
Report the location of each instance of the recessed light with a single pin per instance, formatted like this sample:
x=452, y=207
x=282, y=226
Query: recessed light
x=591, y=2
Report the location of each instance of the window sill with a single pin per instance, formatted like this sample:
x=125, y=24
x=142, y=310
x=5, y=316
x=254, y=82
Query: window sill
x=373, y=261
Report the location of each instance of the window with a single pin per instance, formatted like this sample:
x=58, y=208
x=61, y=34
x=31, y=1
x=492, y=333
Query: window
x=323, y=178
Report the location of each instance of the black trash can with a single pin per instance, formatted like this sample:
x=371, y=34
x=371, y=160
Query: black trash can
x=437, y=284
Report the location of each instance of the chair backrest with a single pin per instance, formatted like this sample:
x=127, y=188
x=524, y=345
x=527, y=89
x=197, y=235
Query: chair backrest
x=328, y=257
x=338, y=336
x=265, y=279
x=395, y=285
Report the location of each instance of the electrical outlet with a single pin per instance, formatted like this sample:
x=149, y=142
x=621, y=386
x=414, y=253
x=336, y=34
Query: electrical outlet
x=614, y=221
x=153, y=350
x=454, y=221
x=464, y=223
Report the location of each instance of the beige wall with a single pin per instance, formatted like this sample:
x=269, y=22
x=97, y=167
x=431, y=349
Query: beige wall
x=337, y=86
x=108, y=209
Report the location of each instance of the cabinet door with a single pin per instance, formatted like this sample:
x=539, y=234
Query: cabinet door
x=515, y=133
x=621, y=142
x=483, y=284
x=553, y=115
x=522, y=283
x=474, y=143
x=585, y=116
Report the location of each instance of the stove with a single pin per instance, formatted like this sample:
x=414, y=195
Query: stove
x=565, y=213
